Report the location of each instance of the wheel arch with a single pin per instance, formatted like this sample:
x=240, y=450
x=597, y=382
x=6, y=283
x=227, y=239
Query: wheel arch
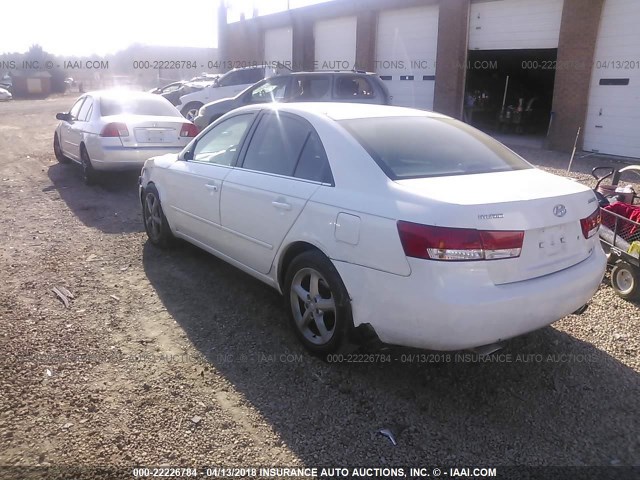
x=290, y=252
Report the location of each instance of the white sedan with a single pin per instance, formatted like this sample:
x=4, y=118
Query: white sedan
x=5, y=94
x=381, y=220
x=118, y=130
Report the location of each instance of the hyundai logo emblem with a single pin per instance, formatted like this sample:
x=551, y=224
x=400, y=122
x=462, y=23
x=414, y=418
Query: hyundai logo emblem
x=559, y=210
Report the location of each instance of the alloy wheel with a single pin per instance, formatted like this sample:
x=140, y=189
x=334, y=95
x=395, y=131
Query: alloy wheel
x=313, y=306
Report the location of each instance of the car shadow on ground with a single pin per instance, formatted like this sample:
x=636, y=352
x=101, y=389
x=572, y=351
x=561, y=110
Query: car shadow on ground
x=533, y=407
x=111, y=206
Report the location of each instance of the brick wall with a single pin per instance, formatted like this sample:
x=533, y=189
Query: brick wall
x=578, y=34
x=453, y=28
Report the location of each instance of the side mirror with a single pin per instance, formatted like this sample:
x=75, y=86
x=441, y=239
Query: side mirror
x=65, y=117
x=187, y=154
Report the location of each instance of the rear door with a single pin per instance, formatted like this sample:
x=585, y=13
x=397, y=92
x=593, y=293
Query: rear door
x=263, y=197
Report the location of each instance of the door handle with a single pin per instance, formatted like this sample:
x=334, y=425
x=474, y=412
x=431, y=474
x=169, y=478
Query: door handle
x=213, y=188
x=281, y=205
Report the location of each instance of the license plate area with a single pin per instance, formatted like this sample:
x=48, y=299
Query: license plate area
x=151, y=135
x=553, y=241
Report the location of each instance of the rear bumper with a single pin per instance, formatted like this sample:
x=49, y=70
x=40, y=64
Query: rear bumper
x=453, y=306
x=126, y=158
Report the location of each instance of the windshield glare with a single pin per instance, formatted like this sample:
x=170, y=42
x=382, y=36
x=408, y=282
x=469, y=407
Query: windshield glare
x=416, y=147
x=137, y=106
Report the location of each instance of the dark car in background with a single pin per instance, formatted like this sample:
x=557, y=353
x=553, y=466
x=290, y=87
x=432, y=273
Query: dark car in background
x=322, y=86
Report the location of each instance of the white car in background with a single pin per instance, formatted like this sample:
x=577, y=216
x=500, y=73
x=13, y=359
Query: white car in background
x=118, y=130
x=378, y=219
x=228, y=85
x=5, y=94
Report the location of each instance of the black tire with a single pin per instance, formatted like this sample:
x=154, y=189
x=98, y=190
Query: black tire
x=155, y=223
x=190, y=110
x=300, y=303
x=89, y=174
x=625, y=280
x=57, y=150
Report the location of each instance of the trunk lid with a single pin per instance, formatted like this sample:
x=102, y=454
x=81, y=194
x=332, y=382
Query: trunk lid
x=151, y=131
x=546, y=207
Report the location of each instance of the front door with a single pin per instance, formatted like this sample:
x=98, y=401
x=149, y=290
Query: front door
x=195, y=185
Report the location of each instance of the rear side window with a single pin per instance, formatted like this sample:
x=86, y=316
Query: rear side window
x=307, y=88
x=348, y=87
x=276, y=145
x=313, y=163
x=156, y=105
x=415, y=147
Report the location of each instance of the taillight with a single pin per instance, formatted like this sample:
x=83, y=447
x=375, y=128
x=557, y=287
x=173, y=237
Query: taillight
x=115, y=129
x=591, y=224
x=444, y=243
x=188, y=130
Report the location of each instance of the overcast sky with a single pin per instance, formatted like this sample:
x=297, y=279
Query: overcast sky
x=87, y=27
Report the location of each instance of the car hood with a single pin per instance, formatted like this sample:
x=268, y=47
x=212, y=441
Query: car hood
x=221, y=106
x=162, y=161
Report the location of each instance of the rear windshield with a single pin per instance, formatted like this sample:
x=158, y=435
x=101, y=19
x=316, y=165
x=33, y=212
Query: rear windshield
x=137, y=106
x=416, y=147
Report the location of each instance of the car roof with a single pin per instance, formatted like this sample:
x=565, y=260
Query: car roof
x=122, y=94
x=343, y=111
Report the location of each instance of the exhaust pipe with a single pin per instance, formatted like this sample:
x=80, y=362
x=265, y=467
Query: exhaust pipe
x=488, y=349
x=582, y=309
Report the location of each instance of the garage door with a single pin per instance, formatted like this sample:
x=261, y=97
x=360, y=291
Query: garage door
x=278, y=45
x=613, y=116
x=335, y=43
x=514, y=24
x=406, y=54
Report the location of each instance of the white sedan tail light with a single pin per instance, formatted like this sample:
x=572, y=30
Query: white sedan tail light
x=188, y=130
x=115, y=129
x=458, y=244
x=591, y=224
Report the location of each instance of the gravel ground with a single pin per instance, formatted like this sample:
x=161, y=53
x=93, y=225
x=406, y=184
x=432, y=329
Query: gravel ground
x=175, y=358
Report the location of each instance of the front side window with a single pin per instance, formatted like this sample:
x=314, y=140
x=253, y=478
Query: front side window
x=271, y=91
x=422, y=146
x=229, y=79
x=252, y=75
x=75, y=110
x=220, y=144
x=84, y=116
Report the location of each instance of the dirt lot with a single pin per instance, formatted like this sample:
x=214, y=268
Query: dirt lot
x=176, y=358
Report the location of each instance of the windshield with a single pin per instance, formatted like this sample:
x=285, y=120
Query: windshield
x=137, y=106
x=415, y=147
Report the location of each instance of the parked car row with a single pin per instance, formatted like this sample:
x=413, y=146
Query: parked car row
x=348, y=86
x=227, y=85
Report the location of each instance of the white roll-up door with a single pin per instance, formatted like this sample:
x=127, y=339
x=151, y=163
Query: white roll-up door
x=613, y=117
x=335, y=43
x=278, y=45
x=406, y=50
x=514, y=24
